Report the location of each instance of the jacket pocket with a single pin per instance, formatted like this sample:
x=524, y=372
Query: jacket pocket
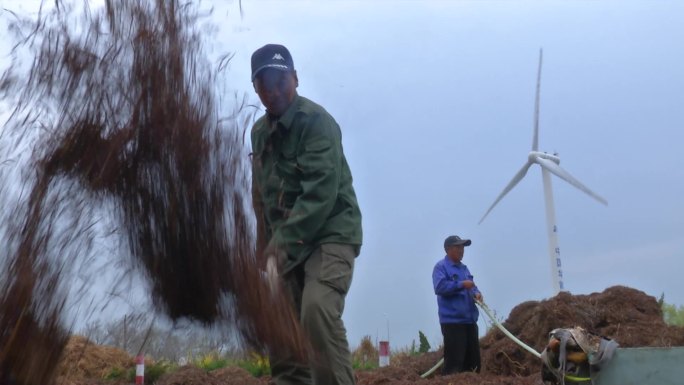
x=337, y=266
x=288, y=173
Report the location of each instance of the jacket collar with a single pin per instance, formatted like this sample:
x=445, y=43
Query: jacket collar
x=449, y=261
x=287, y=118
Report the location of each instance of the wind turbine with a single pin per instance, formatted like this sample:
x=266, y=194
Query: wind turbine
x=549, y=165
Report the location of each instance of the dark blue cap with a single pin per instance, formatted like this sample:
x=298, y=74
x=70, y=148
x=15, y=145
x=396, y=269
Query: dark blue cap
x=271, y=56
x=454, y=240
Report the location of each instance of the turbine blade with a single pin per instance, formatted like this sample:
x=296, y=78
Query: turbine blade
x=559, y=172
x=535, y=138
x=508, y=188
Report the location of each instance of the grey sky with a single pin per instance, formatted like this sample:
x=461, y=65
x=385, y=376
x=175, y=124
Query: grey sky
x=436, y=99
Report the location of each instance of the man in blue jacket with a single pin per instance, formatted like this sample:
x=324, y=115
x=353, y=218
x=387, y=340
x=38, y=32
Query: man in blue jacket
x=456, y=294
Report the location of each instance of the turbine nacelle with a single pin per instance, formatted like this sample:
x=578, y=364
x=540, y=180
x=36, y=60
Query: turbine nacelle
x=532, y=157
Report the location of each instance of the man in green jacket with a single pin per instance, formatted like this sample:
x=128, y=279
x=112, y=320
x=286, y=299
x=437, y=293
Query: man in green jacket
x=308, y=219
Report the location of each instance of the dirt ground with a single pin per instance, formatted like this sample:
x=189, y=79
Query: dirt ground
x=626, y=315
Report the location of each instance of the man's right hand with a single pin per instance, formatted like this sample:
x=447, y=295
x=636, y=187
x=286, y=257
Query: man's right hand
x=467, y=284
x=274, y=264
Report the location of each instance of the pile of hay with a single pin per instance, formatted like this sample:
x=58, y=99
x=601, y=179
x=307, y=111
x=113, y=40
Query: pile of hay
x=629, y=316
x=189, y=375
x=233, y=375
x=82, y=359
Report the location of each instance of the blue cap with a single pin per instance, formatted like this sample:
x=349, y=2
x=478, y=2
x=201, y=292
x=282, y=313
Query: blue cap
x=454, y=240
x=271, y=56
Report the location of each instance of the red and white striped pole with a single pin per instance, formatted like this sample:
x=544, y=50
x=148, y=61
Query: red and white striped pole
x=384, y=356
x=140, y=369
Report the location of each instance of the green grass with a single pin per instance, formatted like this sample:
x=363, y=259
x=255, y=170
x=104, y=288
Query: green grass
x=115, y=374
x=368, y=365
x=210, y=365
x=257, y=365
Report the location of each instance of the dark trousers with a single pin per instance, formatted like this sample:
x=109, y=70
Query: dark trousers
x=461, y=348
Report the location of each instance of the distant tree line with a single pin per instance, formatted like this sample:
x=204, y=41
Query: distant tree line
x=142, y=333
x=672, y=314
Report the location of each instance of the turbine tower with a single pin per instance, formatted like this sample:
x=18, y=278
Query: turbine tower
x=549, y=165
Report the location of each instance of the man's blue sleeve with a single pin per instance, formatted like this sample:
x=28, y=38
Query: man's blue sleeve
x=474, y=289
x=443, y=284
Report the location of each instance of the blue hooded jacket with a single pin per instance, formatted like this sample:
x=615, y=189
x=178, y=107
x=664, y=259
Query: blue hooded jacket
x=456, y=304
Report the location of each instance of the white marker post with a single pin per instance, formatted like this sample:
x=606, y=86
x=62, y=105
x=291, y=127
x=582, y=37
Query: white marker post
x=140, y=369
x=384, y=357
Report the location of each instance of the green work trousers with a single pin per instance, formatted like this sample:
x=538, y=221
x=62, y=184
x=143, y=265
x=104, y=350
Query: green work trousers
x=319, y=287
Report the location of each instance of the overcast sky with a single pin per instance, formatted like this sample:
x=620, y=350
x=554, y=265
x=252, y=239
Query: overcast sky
x=436, y=101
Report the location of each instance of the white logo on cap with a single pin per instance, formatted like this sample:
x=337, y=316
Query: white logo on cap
x=277, y=56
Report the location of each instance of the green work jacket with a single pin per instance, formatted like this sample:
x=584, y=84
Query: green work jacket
x=301, y=183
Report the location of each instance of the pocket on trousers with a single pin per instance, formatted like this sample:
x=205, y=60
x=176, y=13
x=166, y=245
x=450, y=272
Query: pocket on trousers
x=337, y=266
